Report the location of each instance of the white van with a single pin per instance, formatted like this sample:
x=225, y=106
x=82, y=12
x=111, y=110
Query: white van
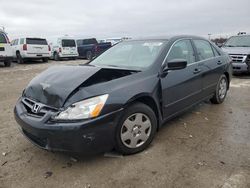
x=5, y=49
x=30, y=48
x=63, y=47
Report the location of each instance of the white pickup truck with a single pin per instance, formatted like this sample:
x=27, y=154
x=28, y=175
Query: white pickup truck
x=238, y=47
x=5, y=49
x=30, y=48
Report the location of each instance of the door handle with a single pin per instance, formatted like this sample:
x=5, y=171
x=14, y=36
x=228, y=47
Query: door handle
x=219, y=62
x=196, y=71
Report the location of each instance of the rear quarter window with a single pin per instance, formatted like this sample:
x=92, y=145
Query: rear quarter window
x=3, y=38
x=36, y=41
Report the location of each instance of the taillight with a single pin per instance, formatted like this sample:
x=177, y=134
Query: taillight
x=96, y=48
x=25, y=47
x=60, y=50
x=49, y=47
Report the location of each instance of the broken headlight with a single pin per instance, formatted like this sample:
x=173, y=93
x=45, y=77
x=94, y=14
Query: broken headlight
x=85, y=109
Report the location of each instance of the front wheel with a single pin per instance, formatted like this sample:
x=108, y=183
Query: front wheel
x=221, y=91
x=56, y=56
x=136, y=129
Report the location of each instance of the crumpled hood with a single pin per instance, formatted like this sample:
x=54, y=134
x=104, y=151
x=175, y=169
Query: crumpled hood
x=53, y=86
x=237, y=50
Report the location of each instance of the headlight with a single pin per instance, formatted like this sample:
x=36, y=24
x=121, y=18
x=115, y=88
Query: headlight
x=88, y=108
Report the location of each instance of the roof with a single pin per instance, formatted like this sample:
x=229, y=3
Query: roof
x=169, y=37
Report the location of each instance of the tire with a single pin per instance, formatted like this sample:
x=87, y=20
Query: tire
x=45, y=60
x=56, y=56
x=89, y=55
x=128, y=137
x=19, y=58
x=7, y=63
x=221, y=90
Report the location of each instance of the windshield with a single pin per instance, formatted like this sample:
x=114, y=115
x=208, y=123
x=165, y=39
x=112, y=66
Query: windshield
x=238, y=41
x=68, y=43
x=133, y=55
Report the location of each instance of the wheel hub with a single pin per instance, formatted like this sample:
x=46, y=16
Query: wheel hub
x=136, y=130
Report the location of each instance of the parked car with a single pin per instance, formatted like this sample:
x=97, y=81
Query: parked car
x=238, y=47
x=63, y=47
x=122, y=98
x=5, y=49
x=89, y=48
x=30, y=49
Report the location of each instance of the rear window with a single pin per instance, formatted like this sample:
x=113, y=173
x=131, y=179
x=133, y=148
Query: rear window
x=2, y=38
x=68, y=43
x=36, y=41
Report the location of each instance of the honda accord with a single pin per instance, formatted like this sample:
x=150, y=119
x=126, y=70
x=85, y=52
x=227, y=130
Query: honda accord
x=121, y=99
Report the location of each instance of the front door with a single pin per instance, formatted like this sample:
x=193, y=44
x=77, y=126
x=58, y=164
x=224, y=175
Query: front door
x=181, y=88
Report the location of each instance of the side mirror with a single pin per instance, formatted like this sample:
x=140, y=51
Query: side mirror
x=175, y=64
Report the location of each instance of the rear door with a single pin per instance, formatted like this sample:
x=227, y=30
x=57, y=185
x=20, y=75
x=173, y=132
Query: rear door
x=212, y=65
x=181, y=88
x=69, y=47
x=37, y=46
x=5, y=48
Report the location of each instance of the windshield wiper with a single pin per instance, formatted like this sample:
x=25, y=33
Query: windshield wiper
x=229, y=46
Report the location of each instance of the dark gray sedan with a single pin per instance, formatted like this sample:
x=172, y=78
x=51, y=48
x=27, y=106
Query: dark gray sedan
x=122, y=98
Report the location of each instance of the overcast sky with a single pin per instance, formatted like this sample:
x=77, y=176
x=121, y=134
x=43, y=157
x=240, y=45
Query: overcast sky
x=117, y=18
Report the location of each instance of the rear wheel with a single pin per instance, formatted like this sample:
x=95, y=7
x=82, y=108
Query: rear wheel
x=19, y=58
x=7, y=63
x=45, y=60
x=221, y=90
x=136, y=129
x=89, y=55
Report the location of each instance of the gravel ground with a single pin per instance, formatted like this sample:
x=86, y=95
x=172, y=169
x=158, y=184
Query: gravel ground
x=208, y=146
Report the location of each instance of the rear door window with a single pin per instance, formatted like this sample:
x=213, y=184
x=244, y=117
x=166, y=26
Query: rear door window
x=182, y=50
x=204, y=49
x=68, y=43
x=36, y=41
x=2, y=38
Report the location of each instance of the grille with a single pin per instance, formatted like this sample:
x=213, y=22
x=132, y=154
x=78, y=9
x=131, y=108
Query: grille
x=28, y=104
x=248, y=60
x=238, y=58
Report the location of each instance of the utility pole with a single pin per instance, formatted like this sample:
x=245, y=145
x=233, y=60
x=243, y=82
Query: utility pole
x=209, y=36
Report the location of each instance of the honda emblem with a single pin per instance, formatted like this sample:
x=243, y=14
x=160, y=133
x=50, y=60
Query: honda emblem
x=36, y=108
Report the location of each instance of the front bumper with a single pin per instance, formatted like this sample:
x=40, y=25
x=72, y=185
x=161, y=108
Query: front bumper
x=89, y=136
x=240, y=67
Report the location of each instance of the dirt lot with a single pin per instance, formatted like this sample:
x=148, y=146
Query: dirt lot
x=209, y=146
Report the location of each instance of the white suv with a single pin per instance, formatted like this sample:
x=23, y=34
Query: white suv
x=5, y=49
x=30, y=48
x=64, y=47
